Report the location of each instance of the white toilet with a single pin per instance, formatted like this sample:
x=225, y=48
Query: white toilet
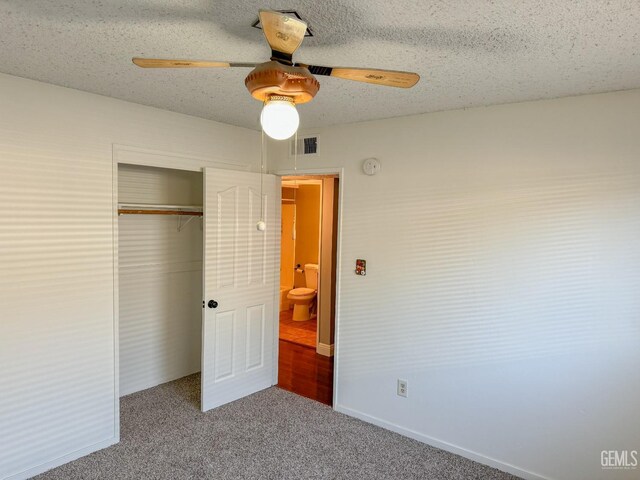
x=302, y=298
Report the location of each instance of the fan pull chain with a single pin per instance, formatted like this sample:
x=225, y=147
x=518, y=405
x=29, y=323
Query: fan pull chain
x=261, y=174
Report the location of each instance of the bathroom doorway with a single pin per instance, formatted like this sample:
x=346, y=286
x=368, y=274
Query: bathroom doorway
x=308, y=285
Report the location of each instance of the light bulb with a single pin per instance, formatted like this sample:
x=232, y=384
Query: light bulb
x=279, y=118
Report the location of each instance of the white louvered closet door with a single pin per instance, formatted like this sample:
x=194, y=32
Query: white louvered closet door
x=240, y=285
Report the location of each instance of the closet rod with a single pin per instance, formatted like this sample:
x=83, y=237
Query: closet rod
x=126, y=211
x=155, y=209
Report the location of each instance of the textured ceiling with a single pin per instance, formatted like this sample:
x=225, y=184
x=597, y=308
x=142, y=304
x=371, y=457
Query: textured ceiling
x=468, y=53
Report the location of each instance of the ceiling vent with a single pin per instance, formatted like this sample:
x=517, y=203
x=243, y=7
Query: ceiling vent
x=291, y=13
x=307, y=145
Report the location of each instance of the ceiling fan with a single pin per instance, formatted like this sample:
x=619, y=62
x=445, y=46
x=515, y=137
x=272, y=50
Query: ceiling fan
x=280, y=83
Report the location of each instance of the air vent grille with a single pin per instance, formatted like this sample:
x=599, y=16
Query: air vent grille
x=307, y=145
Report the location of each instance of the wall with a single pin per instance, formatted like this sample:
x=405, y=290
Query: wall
x=160, y=284
x=287, y=249
x=327, y=291
x=503, y=280
x=57, y=333
x=307, y=228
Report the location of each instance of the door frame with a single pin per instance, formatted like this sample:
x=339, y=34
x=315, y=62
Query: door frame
x=338, y=172
x=320, y=221
x=133, y=155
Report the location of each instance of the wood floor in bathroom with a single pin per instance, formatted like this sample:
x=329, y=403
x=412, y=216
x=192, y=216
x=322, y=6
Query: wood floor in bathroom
x=302, y=333
x=300, y=369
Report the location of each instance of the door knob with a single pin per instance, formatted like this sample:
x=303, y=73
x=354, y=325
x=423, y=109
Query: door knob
x=212, y=304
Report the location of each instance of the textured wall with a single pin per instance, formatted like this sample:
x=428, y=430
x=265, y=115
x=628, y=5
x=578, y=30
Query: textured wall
x=503, y=280
x=57, y=335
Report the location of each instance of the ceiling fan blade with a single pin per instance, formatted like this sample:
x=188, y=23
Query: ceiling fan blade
x=389, y=78
x=284, y=33
x=171, y=63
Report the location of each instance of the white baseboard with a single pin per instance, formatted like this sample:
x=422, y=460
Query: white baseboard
x=325, y=349
x=43, y=467
x=434, y=442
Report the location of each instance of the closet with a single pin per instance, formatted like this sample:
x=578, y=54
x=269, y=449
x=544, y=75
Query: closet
x=160, y=275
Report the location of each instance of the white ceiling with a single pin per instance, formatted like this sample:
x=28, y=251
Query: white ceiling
x=468, y=53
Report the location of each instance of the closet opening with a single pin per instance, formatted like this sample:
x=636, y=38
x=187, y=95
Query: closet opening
x=308, y=285
x=159, y=276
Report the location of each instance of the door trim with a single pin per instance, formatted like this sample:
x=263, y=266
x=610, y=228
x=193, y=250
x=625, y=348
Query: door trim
x=339, y=172
x=276, y=272
x=133, y=155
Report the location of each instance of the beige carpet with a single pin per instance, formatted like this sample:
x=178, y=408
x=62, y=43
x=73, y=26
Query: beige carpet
x=272, y=434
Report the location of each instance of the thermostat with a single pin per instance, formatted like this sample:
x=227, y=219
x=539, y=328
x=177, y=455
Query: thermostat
x=371, y=166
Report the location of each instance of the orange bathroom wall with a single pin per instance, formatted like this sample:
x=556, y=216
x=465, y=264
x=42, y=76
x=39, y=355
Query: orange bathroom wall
x=307, y=228
x=287, y=246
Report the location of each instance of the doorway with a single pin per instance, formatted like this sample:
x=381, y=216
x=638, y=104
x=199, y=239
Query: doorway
x=159, y=275
x=308, y=285
x=193, y=276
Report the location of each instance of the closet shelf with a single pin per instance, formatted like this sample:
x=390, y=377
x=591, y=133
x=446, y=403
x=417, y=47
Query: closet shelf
x=150, y=209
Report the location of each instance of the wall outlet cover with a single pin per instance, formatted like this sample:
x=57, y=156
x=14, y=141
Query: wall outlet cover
x=403, y=388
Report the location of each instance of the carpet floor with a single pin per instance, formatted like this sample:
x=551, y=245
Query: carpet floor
x=273, y=434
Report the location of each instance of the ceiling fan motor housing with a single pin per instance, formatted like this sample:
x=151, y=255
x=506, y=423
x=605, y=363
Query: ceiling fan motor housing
x=273, y=78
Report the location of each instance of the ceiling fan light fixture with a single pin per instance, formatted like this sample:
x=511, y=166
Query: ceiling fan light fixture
x=281, y=84
x=279, y=117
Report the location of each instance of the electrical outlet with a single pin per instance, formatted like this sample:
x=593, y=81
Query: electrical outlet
x=403, y=390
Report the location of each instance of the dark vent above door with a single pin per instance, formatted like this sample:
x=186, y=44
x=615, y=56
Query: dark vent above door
x=307, y=145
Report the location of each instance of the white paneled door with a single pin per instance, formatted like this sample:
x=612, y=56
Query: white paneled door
x=240, y=285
